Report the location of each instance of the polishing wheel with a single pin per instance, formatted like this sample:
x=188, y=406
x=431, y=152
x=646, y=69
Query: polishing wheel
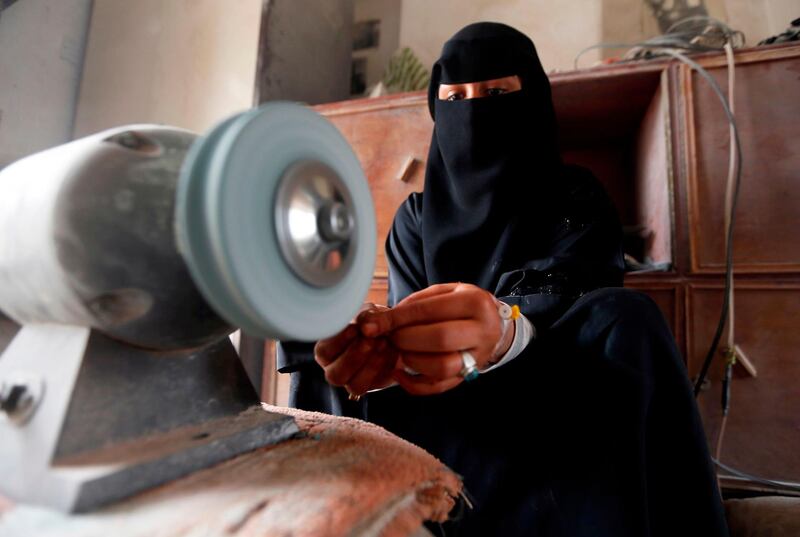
x=275, y=221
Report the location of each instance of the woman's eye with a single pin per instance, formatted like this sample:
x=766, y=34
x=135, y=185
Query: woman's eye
x=494, y=92
x=455, y=96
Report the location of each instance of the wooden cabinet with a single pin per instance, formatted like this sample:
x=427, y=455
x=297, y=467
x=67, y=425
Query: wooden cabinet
x=656, y=136
x=767, y=93
x=763, y=430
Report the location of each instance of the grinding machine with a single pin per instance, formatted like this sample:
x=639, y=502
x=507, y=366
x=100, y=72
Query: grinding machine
x=126, y=260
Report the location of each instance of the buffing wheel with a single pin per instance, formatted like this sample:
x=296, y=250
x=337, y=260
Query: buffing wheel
x=275, y=220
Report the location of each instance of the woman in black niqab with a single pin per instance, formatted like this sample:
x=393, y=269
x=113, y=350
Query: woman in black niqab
x=491, y=160
x=592, y=429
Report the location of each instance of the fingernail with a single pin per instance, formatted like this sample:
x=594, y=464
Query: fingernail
x=369, y=329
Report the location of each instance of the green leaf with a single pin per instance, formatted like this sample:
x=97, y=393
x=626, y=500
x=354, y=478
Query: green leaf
x=405, y=72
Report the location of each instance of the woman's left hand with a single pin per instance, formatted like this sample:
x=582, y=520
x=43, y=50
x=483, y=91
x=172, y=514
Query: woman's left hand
x=431, y=327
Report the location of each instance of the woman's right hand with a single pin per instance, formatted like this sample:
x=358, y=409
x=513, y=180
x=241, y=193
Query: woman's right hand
x=357, y=362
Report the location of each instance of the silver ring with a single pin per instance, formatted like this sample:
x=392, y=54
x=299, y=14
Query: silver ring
x=470, y=370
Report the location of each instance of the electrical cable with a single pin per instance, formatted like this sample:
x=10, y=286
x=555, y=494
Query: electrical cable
x=729, y=186
x=718, y=450
x=731, y=353
x=726, y=398
x=773, y=483
x=704, y=34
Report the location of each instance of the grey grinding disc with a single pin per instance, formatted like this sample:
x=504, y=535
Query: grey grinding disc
x=226, y=223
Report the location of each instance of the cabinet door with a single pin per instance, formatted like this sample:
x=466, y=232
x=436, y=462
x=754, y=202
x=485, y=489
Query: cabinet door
x=767, y=108
x=390, y=137
x=763, y=430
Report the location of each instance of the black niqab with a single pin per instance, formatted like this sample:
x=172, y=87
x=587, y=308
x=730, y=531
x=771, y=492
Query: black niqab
x=492, y=160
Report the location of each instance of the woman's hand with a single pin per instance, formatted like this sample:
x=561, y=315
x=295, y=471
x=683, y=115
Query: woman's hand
x=431, y=327
x=357, y=362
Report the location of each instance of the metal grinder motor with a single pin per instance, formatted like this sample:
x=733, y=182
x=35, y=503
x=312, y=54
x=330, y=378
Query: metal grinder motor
x=128, y=257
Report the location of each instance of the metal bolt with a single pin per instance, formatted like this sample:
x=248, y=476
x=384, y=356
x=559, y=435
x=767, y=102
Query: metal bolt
x=335, y=222
x=16, y=399
x=20, y=397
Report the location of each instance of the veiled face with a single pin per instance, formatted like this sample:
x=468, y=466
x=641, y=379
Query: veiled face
x=484, y=88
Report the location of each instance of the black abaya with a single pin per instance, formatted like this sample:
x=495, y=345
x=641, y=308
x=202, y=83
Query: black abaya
x=592, y=430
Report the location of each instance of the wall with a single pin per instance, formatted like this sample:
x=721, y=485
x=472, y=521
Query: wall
x=41, y=56
x=624, y=21
x=780, y=13
x=306, y=48
x=559, y=29
x=388, y=12
x=758, y=19
x=629, y=21
x=187, y=63
x=562, y=29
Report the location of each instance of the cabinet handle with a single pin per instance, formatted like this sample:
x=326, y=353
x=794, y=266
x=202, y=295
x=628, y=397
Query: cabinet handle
x=406, y=169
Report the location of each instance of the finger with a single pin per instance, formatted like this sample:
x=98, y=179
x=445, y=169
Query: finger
x=440, y=307
x=433, y=290
x=420, y=385
x=366, y=306
x=340, y=371
x=385, y=375
x=439, y=366
x=449, y=336
x=364, y=311
x=326, y=350
x=363, y=380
